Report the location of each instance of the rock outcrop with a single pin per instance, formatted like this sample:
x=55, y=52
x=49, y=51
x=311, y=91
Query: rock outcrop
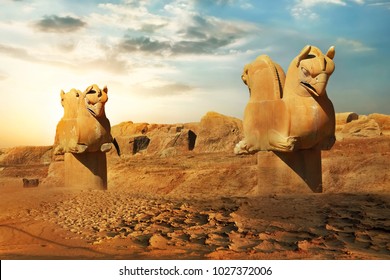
x=343, y=118
x=214, y=133
x=383, y=122
x=351, y=125
x=218, y=133
x=26, y=155
x=154, y=139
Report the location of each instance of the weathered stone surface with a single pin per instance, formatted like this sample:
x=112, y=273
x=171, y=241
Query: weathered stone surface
x=26, y=155
x=139, y=143
x=129, y=128
x=292, y=116
x=351, y=125
x=383, y=122
x=344, y=118
x=30, y=183
x=292, y=112
x=55, y=175
x=218, y=133
x=83, y=135
x=214, y=133
x=86, y=170
x=84, y=126
x=167, y=136
x=153, y=139
x=363, y=127
x=295, y=172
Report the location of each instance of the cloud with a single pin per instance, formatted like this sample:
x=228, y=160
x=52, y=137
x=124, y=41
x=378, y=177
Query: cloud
x=67, y=46
x=178, y=28
x=23, y=55
x=198, y=35
x=303, y=9
x=57, y=24
x=162, y=89
x=148, y=45
x=353, y=45
x=385, y=5
x=207, y=46
x=131, y=15
x=243, y=4
x=143, y=44
x=16, y=52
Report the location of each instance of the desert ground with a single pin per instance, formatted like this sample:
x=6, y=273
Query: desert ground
x=183, y=194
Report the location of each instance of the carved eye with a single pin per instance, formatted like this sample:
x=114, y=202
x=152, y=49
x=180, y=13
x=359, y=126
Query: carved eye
x=305, y=71
x=91, y=91
x=100, y=94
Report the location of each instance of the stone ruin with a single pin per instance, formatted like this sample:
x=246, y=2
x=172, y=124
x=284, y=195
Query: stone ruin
x=288, y=120
x=83, y=136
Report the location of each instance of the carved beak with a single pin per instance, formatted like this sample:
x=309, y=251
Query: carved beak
x=96, y=110
x=317, y=85
x=310, y=88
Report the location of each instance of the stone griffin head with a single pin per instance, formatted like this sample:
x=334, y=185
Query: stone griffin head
x=70, y=101
x=314, y=69
x=95, y=99
x=264, y=78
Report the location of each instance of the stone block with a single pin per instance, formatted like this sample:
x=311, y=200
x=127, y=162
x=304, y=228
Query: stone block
x=86, y=171
x=295, y=172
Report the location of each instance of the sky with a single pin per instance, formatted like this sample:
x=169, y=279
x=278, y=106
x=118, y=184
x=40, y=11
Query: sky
x=173, y=61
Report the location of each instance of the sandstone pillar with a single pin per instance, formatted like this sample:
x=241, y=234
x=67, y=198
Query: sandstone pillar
x=86, y=171
x=83, y=136
x=295, y=172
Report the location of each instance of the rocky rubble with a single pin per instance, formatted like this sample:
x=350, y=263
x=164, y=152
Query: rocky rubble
x=351, y=125
x=304, y=226
x=214, y=133
x=26, y=155
x=153, y=222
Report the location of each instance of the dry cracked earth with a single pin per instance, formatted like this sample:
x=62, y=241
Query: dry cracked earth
x=202, y=206
x=101, y=225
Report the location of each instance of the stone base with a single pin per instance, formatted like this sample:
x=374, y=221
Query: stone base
x=296, y=172
x=86, y=171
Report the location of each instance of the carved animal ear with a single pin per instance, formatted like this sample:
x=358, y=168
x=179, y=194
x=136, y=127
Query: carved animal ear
x=331, y=52
x=303, y=54
x=105, y=89
x=244, y=76
x=62, y=93
x=89, y=88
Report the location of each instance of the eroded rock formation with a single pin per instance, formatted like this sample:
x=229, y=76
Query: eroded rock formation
x=214, y=133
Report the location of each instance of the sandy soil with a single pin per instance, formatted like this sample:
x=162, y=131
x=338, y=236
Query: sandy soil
x=202, y=206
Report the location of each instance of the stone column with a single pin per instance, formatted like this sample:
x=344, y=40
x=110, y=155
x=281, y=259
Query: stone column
x=86, y=170
x=83, y=136
x=295, y=172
